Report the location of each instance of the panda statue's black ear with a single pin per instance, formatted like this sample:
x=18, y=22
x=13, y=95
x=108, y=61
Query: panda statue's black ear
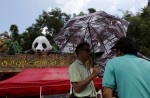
x=28, y=52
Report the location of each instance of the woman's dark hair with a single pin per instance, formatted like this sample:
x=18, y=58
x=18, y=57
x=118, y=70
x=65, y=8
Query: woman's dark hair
x=126, y=45
x=80, y=46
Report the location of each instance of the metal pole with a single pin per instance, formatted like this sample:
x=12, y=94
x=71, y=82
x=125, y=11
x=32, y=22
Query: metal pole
x=93, y=56
x=40, y=91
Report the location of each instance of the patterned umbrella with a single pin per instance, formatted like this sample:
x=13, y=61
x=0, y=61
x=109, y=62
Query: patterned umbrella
x=99, y=29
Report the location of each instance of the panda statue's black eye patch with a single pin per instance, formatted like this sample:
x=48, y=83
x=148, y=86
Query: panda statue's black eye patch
x=35, y=45
x=44, y=45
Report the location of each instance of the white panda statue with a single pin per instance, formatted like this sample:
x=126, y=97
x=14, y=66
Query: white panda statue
x=41, y=45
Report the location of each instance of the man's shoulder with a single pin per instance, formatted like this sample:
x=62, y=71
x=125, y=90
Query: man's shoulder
x=73, y=65
x=115, y=59
x=76, y=62
x=118, y=58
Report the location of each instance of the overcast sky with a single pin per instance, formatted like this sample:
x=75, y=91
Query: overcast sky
x=24, y=12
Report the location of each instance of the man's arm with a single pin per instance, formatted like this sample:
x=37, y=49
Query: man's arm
x=80, y=86
x=107, y=92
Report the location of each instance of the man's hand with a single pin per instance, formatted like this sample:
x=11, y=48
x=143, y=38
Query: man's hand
x=79, y=86
x=96, y=71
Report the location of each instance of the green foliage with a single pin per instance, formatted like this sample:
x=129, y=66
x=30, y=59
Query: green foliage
x=13, y=48
x=15, y=42
x=14, y=33
x=81, y=14
x=139, y=29
x=53, y=20
x=91, y=10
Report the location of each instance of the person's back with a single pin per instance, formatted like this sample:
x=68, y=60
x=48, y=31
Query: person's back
x=127, y=73
x=132, y=76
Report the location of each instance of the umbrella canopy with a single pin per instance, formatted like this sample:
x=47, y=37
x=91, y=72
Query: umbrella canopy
x=99, y=29
x=36, y=81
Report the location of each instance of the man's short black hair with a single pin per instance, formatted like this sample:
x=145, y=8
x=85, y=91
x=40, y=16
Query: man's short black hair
x=126, y=45
x=80, y=46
